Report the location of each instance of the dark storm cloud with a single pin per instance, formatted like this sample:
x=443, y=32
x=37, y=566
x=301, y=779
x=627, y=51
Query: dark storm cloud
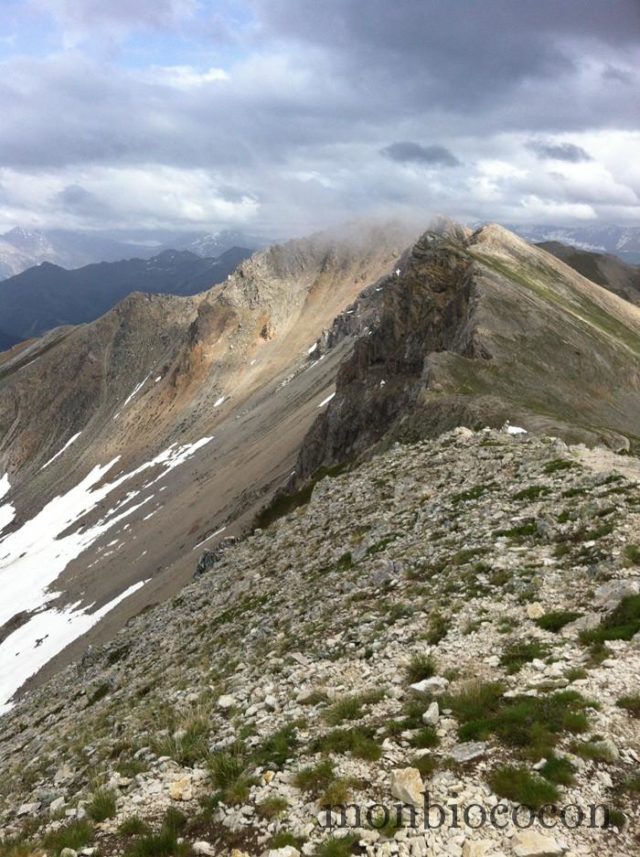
x=408, y=152
x=456, y=54
x=558, y=151
x=314, y=93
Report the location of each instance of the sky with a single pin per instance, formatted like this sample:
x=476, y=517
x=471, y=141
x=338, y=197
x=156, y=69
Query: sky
x=282, y=116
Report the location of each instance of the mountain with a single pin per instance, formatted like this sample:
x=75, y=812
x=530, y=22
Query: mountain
x=48, y=296
x=478, y=329
x=209, y=244
x=7, y=341
x=606, y=270
x=621, y=241
x=451, y=624
x=23, y=248
x=209, y=395
x=391, y=462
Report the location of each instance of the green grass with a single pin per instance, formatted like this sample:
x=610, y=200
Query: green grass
x=358, y=741
x=471, y=494
x=520, y=531
x=617, y=818
x=420, y=667
x=350, y=707
x=279, y=747
x=621, y=624
x=521, y=787
x=284, y=503
x=191, y=747
x=632, y=555
x=227, y=770
x=283, y=838
x=596, y=751
x=102, y=805
x=558, y=770
x=531, y=725
x=99, y=693
x=556, y=620
x=426, y=764
x=576, y=673
x=336, y=846
x=630, y=703
x=425, y=738
x=438, y=627
x=520, y=652
x=558, y=465
x=162, y=844
x=272, y=807
x=533, y=492
x=134, y=826
x=315, y=779
x=74, y=835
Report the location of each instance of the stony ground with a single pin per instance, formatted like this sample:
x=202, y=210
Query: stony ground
x=459, y=618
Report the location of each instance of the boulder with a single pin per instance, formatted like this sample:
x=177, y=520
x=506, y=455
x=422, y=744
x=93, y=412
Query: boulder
x=431, y=715
x=610, y=594
x=468, y=751
x=434, y=685
x=407, y=786
x=535, y=610
x=203, y=848
x=528, y=843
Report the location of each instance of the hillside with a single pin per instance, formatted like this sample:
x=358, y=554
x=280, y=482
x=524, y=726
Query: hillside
x=602, y=268
x=49, y=296
x=477, y=329
x=311, y=356
x=458, y=616
x=133, y=442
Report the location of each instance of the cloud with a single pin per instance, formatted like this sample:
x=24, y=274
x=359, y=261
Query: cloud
x=558, y=151
x=407, y=152
x=90, y=15
x=276, y=112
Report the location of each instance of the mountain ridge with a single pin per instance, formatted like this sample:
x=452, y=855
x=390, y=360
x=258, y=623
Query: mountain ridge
x=49, y=296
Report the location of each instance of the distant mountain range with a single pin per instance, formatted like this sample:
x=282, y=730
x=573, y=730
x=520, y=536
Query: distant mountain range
x=21, y=249
x=621, y=241
x=48, y=295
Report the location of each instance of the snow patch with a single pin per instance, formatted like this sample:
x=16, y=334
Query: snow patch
x=313, y=348
x=326, y=401
x=219, y=401
x=208, y=538
x=33, y=557
x=64, y=448
x=34, y=644
x=5, y=486
x=135, y=391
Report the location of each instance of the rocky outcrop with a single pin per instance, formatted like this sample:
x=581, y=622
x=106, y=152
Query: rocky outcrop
x=476, y=329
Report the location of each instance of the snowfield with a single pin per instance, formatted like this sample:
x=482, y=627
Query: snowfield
x=36, y=554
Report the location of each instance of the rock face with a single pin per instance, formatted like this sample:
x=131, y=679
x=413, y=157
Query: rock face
x=279, y=682
x=477, y=330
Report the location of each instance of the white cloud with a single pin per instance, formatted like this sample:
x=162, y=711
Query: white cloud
x=183, y=76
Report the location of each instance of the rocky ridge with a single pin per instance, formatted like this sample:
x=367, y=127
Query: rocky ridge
x=459, y=615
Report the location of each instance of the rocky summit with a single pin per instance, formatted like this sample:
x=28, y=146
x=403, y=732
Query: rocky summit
x=434, y=652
